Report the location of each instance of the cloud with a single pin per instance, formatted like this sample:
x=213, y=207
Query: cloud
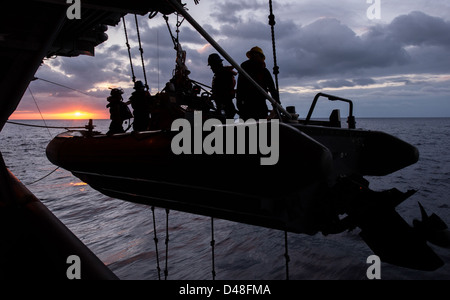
x=363, y=81
x=336, y=83
x=417, y=28
x=232, y=12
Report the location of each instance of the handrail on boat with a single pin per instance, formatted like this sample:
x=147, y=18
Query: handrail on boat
x=350, y=120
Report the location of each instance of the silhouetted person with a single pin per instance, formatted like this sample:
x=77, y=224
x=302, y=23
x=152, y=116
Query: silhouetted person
x=140, y=102
x=251, y=103
x=118, y=111
x=223, y=84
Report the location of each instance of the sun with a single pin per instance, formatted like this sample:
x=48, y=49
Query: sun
x=72, y=115
x=79, y=115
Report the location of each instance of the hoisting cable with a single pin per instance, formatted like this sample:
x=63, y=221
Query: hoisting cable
x=37, y=106
x=42, y=126
x=276, y=69
x=178, y=25
x=156, y=244
x=16, y=123
x=141, y=50
x=286, y=254
x=166, y=270
x=213, y=243
x=174, y=40
x=133, y=77
x=61, y=85
x=36, y=181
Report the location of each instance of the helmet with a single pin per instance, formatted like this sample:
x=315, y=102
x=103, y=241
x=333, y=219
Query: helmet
x=138, y=85
x=256, y=50
x=214, y=59
x=116, y=92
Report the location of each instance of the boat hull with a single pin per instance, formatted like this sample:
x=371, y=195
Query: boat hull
x=141, y=167
x=363, y=152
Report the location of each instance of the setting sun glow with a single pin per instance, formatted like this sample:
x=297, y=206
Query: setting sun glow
x=67, y=115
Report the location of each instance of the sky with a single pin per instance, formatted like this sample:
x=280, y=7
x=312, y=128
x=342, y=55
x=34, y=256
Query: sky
x=391, y=58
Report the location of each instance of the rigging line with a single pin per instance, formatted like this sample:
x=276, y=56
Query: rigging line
x=286, y=255
x=156, y=244
x=213, y=243
x=166, y=270
x=43, y=177
x=276, y=69
x=199, y=83
x=42, y=126
x=141, y=50
x=35, y=102
x=174, y=40
x=157, y=52
x=61, y=85
x=133, y=77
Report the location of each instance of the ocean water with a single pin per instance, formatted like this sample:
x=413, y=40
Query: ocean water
x=122, y=234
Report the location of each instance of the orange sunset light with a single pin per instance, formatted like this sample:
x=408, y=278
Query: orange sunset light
x=63, y=115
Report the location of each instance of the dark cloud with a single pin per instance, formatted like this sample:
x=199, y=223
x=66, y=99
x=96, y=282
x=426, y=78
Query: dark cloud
x=411, y=43
x=328, y=47
x=418, y=29
x=232, y=12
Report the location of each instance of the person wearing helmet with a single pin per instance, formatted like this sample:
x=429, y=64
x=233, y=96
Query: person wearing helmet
x=140, y=102
x=223, y=84
x=250, y=102
x=118, y=111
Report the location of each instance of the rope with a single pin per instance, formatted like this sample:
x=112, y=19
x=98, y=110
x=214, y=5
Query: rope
x=276, y=69
x=43, y=177
x=213, y=243
x=41, y=126
x=286, y=254
x=174, y=40
x=157, y=53
x=156, y=244
x=61, y=85
x=166, y=271
x=141, y=50
x=37, y=106
x=133, y=77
